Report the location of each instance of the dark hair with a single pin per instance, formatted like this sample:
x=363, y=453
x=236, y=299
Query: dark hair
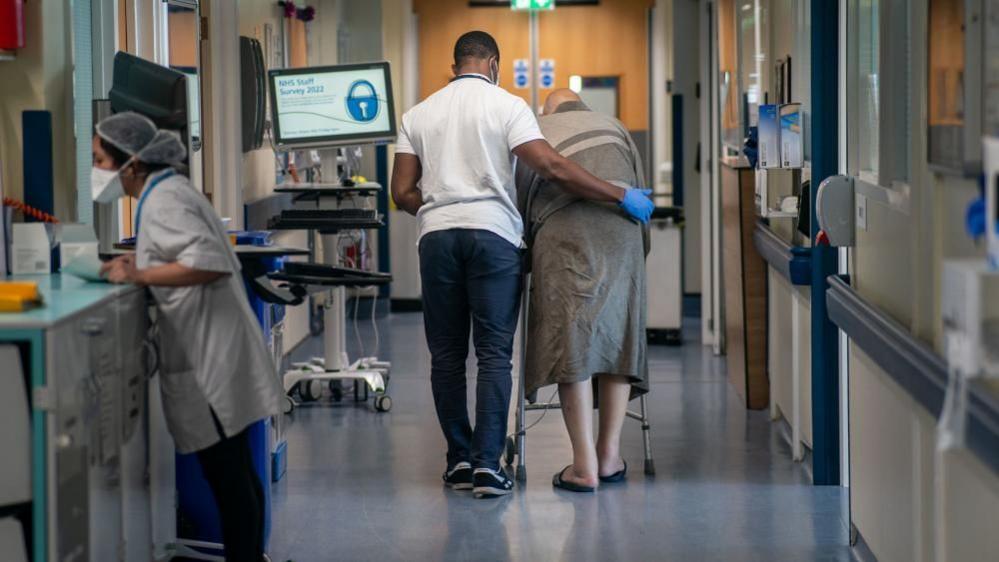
x=119, y=157
x=475, y=44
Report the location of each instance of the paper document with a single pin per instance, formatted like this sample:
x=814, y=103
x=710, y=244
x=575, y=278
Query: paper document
x=79, y=249
x=85, y=265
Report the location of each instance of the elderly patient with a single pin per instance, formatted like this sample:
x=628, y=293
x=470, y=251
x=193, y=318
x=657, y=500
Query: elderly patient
x=587, y=296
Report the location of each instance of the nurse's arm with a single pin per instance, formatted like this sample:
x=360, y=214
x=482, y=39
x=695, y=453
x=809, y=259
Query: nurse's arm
x=406, y=174
x=554, y=167
x=176, y=275
x=123, y=270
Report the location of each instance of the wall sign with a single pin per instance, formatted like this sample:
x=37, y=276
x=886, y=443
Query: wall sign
x=521, y=74
x=532, y=4
x=546, y=73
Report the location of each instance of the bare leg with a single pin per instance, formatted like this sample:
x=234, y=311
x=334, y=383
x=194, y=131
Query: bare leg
x=614, y=393
x=577, y=411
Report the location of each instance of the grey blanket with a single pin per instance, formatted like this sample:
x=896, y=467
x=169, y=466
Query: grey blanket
x=587, y=303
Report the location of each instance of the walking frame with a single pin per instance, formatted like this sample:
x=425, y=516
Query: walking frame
x=516, y=444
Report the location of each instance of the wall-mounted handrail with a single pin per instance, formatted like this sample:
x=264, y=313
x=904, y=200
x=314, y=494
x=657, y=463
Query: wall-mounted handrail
x=912, y=364
x=794, y=263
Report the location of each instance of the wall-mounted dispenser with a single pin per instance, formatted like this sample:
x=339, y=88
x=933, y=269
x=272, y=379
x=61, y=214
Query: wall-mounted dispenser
x=969, y=305
x=834, y=207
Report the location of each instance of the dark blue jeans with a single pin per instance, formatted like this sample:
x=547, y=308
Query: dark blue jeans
x=471, y=282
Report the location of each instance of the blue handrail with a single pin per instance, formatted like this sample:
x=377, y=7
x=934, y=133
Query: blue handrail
x=794, y=263
x=917, y=368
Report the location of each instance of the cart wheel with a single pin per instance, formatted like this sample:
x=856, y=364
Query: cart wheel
x=289, y=405
x=337, y=390
x=510, y=454
x=383, y=403
x=310, y=391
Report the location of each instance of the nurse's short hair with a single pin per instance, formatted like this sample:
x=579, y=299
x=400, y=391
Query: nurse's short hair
x=475, y=44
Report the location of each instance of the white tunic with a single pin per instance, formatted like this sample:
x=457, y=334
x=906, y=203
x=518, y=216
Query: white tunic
x=463, y=135
x=212, y=351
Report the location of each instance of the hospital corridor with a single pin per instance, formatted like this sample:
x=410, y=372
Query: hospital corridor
x=499, y=280
x=733, y=490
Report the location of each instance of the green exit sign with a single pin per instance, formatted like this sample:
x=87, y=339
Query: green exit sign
x=532, y=5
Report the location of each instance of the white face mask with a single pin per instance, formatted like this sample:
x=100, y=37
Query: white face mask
x=495, y=76
x=105, y=185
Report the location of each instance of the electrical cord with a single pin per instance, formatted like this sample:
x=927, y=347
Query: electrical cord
x=29, y=211
x=277, y=157
x=374, y=324
x=357, y=332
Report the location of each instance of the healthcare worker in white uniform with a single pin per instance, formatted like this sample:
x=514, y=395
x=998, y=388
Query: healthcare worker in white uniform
x=216, y=374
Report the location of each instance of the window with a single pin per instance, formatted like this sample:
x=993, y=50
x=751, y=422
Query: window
x=868, y=37
x=744, y=66
x=729, y=96
x=879, y=94
x=963, y=82
x=754, y=61
x=183, y=39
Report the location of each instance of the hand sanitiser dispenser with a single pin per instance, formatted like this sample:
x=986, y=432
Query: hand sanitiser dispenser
x=834, y=207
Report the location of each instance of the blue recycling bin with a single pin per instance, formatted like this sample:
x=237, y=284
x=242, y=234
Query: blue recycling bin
x=197, y=512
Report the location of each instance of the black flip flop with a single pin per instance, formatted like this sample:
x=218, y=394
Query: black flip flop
x=559, y=482
x=617, y=476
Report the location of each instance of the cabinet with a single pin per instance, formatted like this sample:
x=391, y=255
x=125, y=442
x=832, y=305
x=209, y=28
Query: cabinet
x=744, y=284
x=84, y=353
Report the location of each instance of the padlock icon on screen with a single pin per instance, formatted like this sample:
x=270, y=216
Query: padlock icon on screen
x=362, y=101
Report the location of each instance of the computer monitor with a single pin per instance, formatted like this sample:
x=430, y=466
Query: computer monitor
x=332, y=106
x=158, y=92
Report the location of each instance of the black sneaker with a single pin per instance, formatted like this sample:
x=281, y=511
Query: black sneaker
x=459, y=477
x=491, y=483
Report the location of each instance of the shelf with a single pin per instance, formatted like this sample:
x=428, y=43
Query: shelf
x=668, y=213
x=323, y=226
x=329, y=281
x=775, y=214
x=328, y=189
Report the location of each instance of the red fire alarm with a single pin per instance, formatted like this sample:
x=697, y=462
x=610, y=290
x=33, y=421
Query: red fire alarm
x=11, y=24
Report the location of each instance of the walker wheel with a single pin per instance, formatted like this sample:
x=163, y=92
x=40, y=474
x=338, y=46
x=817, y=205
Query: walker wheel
x=289, y=405
x=310, y=391
x=510, y=453
x=383, y=403
x=521, y=474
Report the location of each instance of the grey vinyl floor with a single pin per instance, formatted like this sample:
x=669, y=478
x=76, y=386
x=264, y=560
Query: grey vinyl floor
x=366, y=486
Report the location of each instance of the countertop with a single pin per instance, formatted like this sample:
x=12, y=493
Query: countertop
x=63, y=296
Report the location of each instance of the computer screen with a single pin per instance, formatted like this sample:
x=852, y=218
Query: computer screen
x=155, y=91
x=332, y=106
x=193, y=103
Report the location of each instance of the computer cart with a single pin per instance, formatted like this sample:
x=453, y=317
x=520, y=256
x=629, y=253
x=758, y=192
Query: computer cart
x=329, y=210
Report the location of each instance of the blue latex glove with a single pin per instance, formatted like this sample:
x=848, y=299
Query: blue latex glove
x=974, y=218
x=636, y=203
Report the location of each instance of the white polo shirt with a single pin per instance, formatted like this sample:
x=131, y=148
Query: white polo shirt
x=463, y=135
